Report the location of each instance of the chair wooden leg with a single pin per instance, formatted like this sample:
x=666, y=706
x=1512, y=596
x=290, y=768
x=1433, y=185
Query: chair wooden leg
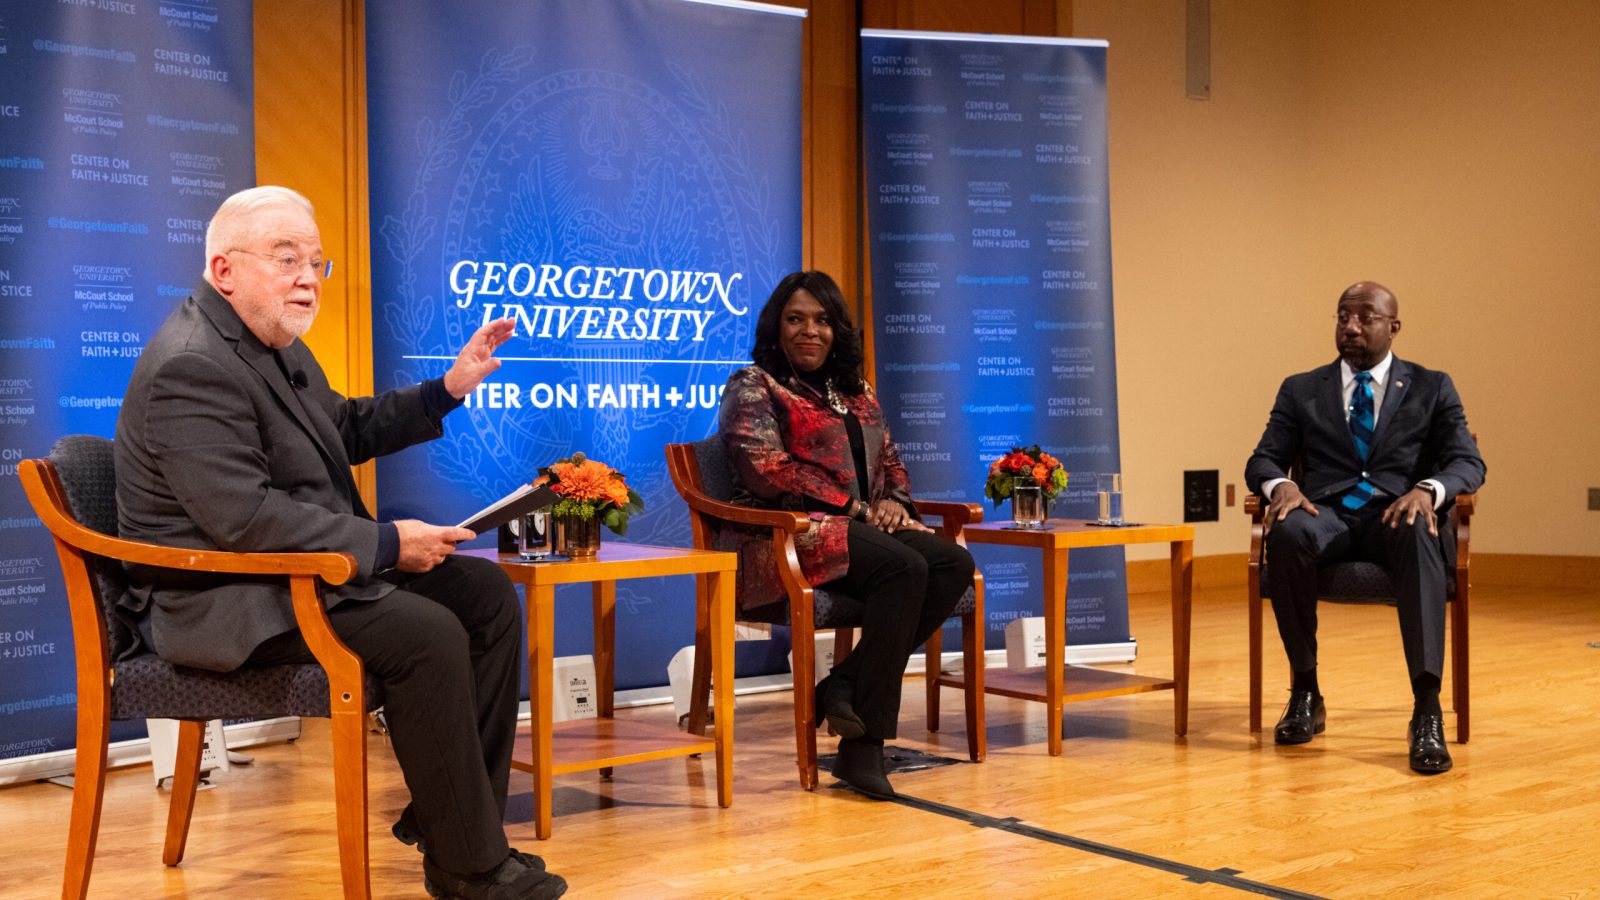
x=350, y=795
x=933, y=654
x=804, y=651
x=700, y=682
x=185, y=783
x=1255, y=661
x=844, y=640
x=1458, y=663
x=88, y=790
x=972, y=663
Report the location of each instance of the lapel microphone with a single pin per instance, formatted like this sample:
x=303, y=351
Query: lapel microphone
x=298, y=379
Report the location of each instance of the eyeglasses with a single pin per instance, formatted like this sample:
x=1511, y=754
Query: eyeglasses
x=290, y=264
x=1344, y=317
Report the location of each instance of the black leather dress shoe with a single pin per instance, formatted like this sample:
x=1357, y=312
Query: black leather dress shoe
x=511, y=880
x=860, y=765
x=1304, y=717
x=833, y=704
x=1428, y=752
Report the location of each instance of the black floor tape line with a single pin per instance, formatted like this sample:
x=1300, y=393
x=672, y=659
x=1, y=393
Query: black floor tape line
x=1223, y=877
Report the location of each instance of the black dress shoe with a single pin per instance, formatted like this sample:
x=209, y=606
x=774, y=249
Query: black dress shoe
x=511, y=880
x=1304, y=717
x=860, y=765
x=1428, y=752
x=833, y=704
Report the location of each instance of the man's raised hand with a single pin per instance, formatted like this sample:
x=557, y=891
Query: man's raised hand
x=476, y=360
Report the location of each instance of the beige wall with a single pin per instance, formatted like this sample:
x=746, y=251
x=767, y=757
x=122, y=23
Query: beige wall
x=1457, y=152
x=1447, y=149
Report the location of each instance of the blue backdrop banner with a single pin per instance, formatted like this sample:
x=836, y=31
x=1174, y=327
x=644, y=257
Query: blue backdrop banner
x=622, y=178
x=990, y=236
x=122, y=127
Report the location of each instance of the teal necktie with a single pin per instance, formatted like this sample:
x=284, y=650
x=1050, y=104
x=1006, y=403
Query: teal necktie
x=1362, y=421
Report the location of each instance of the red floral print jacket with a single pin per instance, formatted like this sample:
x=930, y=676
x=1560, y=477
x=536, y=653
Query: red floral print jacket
x=785, y=444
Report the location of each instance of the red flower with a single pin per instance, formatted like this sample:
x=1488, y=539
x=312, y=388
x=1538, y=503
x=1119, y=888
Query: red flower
x=1017, y=463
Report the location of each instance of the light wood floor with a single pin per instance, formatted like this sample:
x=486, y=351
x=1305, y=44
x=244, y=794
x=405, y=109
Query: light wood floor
x=1342, y=817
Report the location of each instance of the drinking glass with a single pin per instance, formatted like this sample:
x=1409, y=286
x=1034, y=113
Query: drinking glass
x=1109, y=485
x=533, y=535
x=1027, y=503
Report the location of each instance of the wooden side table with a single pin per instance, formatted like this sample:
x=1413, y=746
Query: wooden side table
x=603, y=742
x=1056, y=683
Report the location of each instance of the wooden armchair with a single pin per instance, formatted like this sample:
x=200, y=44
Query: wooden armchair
x=1365, y=582
x=74, y=494
x=703, y=477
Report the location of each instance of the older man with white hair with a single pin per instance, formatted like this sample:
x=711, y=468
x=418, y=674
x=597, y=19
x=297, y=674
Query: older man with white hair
x=230, y=438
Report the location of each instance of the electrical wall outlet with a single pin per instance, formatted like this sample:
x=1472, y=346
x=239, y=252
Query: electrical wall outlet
x=1200, y=495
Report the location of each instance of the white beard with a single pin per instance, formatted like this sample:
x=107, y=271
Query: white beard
x=295, y=322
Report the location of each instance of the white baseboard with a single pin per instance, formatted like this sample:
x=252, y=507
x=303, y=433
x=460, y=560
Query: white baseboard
x=131, y=753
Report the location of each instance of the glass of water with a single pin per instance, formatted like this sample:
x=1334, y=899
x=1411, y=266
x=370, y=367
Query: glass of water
x=533, y=535
x=1109, y=485
x=1027, y=503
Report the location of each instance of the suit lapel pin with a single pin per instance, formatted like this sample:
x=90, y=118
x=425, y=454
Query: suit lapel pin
x=1399, y=384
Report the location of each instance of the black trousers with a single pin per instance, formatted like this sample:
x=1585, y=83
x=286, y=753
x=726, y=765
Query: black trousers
x=909, y=582
x=1301, y=543
x=446, y=645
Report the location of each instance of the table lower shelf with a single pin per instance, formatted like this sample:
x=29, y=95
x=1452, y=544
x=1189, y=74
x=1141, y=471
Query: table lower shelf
x=582, y=745
x=1077, y=683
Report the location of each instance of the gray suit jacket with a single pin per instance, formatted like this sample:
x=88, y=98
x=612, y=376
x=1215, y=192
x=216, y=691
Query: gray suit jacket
x=1422, y=433
x=217, y=450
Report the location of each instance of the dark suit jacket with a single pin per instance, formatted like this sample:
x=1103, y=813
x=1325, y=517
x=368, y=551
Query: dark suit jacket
x=1421, y=433
x=215, y=450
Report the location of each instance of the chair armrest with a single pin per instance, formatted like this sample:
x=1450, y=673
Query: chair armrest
x=953, y=516
x=1258, y=532
x=959, y=514
x=1462, y=512
x=787, y=520
x=333, y=568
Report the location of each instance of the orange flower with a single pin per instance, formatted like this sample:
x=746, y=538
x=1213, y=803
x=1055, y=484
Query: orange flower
x=617, y=492
x=1041, y=474
x=588, y=481
x=1049, y=461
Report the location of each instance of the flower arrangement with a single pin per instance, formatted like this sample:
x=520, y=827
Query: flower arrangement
x=590, y=488
x=1025, y=462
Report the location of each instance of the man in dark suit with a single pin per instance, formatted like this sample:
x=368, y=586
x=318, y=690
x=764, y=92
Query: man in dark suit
x=230, y=438
x=1384, y=448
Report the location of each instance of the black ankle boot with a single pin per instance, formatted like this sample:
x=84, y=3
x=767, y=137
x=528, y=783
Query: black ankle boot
x=833, y=704
x=860, y=765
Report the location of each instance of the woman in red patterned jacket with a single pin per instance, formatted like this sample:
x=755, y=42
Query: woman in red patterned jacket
x=805, y=432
